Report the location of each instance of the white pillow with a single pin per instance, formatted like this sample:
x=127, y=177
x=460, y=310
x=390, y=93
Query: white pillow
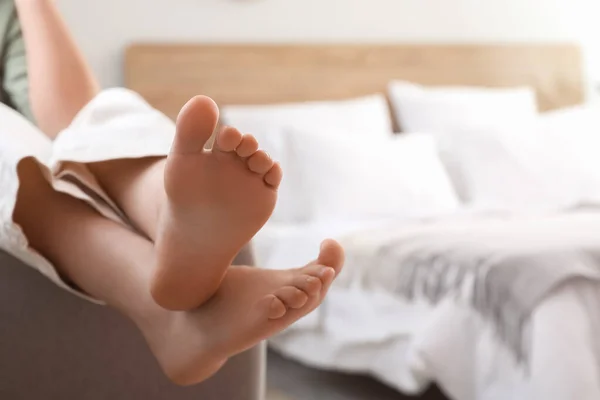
x=507, y=170
x=575, y=132
x=580, y=118
x=369, y=114
x=438, y=109
x=367, y=117
x=528, y=169
x=346, y=177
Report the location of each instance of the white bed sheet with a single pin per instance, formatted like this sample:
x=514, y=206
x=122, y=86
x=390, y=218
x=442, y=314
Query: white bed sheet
x=409, y=345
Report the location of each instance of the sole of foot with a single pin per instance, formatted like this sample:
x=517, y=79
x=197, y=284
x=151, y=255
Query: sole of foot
x=216, y=201
x=251, y=305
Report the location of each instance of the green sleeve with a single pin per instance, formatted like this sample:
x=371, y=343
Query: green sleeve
x=15, y=79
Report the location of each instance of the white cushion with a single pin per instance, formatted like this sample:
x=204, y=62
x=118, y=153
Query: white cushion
x=367, y=117
x=369, y=114
x=507, y=171
x=550, y=164
x=438, y=110
x=349, y=178
x=584, y=117
x=575, y=133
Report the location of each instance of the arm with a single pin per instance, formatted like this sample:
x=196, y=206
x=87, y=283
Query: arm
x=60, y=80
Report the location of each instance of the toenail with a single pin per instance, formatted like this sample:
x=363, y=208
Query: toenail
x=310, y=279
x=324, y=271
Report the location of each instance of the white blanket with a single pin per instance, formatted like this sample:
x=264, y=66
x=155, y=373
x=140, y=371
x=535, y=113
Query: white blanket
x=502, y=267
x=364, y=327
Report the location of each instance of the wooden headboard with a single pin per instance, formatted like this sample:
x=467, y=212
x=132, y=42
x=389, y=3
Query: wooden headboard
x=168, y=75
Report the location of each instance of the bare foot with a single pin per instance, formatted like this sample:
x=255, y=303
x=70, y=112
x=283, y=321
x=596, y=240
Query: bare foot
x=217, y=200
x=251, y=305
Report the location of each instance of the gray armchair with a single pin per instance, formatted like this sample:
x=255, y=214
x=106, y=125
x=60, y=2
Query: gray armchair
x=54, y=345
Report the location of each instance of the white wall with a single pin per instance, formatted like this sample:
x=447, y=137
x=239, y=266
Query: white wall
x=105, y=27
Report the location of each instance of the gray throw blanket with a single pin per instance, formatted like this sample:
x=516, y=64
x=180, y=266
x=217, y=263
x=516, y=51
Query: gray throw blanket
x=502, y=266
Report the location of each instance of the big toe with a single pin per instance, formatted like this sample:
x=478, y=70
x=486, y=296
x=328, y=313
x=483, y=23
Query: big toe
x=196, y=123
x=331, y=255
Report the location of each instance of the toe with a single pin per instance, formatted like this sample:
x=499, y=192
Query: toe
x=331, y=255
x=327, y=275
x=292, y=297
x=228, y=139
x=247, y=147
x=322, y=273
x=274, y=176
x=309, y=284
x=260, y=162
x=276, y=307
x=196, y=123
x=327, y=278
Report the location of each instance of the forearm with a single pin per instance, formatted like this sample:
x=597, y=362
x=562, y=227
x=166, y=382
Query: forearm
x=60, y=80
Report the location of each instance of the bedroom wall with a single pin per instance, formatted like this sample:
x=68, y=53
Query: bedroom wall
x=105, y=27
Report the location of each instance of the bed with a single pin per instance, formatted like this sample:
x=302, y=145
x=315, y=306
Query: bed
x=360, y=329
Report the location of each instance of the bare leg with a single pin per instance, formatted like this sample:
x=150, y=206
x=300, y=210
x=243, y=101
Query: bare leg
x=114, y=265
x=137, y=187
x=61, y=83
x=199, y=206
x=60, y=80
x=104, y=259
